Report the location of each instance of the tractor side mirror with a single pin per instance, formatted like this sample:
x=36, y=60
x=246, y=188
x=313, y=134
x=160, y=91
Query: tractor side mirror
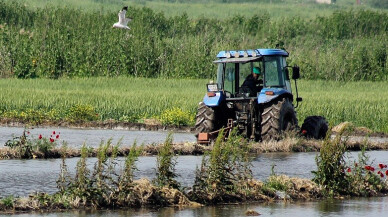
x=295, y=72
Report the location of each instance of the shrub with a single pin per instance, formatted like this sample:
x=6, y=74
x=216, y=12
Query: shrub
x=224, y=171
x=176, y=116
x=81, y=112
x=165, y=173
x=331, y=166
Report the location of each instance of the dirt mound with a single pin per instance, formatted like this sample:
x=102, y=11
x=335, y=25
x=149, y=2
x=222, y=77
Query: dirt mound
x=148, y=194
x=298, y=188
x=356, y=131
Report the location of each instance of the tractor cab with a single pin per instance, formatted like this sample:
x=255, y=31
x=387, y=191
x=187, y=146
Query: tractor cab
x=260, y=73
x=234, y=67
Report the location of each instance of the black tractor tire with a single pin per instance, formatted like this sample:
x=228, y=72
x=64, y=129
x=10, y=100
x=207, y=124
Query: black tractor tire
x=205, y=119
x=314, y=127
x=276, y=117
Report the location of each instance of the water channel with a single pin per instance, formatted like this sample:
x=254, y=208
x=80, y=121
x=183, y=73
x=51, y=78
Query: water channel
x=22, y=177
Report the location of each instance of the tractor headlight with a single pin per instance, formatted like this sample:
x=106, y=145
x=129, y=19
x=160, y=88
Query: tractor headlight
x=212, y=87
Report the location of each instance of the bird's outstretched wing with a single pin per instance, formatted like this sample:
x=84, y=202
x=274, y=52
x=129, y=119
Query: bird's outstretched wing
x=122, y=16
x=127, y=20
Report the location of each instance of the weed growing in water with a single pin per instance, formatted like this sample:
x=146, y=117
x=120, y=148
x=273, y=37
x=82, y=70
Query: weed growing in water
x=165, y=174
x=331, y=166
x=224, y=172
x=366, y=180
x=27, y=148
x=7, y=202
x=337, y=178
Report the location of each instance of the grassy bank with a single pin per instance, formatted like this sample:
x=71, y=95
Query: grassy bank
x=44, y=148
x=174, y=101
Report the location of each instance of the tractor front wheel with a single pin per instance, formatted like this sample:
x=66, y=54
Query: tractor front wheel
x=315, y=127
x=205, y=119
x=276, y=117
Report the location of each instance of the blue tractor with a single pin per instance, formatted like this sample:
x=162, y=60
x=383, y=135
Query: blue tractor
x=253, y=93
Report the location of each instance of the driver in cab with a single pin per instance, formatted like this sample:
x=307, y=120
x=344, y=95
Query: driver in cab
x=252, y=81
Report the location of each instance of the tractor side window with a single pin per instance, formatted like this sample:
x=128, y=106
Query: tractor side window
x=227, y=76
x=273, y=72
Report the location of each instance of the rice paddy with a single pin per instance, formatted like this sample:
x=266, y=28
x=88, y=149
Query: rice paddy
x=135, y=99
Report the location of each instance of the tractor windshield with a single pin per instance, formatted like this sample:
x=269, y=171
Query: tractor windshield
x=231, y=76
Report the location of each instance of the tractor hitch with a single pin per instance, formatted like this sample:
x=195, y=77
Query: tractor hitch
x=206, y=138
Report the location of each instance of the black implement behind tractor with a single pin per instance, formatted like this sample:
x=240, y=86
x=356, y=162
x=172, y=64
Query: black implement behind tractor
x=253, y=93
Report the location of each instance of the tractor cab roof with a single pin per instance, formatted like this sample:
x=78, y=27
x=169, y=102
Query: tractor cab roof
x=244, y=56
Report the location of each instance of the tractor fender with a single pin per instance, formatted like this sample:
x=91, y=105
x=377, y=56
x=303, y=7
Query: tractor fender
x=213, y=101
x=264, y=97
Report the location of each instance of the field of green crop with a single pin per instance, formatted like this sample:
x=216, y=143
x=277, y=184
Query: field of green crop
x=133, y=99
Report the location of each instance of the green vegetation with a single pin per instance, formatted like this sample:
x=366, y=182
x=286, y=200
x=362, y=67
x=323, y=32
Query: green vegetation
x=25, y=147
x=56, y=42
x=122, y=98
x=216, y=8
x=174, y=101
x=339, y=177
x=165, y=174
x=225, y=172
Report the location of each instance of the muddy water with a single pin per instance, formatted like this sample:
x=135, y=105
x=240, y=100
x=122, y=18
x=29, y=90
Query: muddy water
x=22, y=177
x=93, y=137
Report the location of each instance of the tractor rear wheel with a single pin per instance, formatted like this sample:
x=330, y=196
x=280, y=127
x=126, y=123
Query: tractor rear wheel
x=276, y=117
x=315, y=127
x=205, y=119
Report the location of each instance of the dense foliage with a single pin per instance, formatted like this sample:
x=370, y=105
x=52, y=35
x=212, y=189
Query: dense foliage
x=58, y=42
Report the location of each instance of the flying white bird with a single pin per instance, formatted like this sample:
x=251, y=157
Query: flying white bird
x=123, y=22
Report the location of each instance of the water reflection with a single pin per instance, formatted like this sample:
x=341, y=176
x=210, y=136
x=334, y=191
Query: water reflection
x=22, y=177
x=357, y=207
x=93, y=137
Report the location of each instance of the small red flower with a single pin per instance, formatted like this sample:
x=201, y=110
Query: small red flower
x=28, y=132
x=349, y=170
x=372, y=169
x=367, y=167
x=57, y=137
x=386, y=172
x=381, y=175
x=51, y=140
x=40, y=136
x=54, y=132
x=381, y=166
x=379, y=172
x=304, y=131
